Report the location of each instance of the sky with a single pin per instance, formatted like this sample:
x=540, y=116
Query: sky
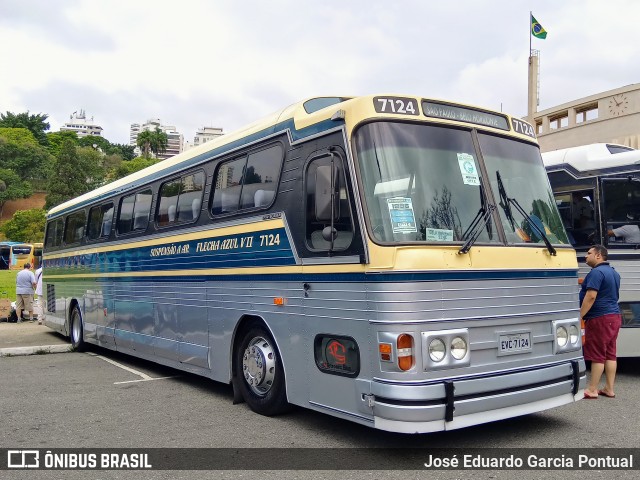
x=220, y=63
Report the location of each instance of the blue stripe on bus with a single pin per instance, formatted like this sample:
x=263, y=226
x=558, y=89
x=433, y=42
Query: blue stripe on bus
x=352, y=277
x=252, y=249
x=296, y=134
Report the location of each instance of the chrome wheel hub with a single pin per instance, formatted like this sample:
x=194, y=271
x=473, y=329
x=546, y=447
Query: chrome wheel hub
x=259, y=366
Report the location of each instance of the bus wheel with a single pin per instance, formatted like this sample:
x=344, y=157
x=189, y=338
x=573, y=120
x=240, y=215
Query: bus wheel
x=77, y=334
x=260, y=374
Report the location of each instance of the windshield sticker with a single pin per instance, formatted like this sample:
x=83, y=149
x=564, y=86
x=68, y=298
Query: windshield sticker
x=468, y=169
x=438, y=235
x=401, y=212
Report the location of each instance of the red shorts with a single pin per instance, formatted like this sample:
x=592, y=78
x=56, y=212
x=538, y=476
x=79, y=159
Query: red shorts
x=601, y=334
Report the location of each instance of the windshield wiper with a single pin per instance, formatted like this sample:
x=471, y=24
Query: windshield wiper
x=504, y=203
x=482, y=220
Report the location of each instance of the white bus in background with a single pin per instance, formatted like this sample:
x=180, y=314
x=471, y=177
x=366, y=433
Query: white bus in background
x=597, y=189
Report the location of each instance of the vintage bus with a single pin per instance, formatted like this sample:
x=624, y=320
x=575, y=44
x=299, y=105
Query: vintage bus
x=397, y=261
x=597, y=191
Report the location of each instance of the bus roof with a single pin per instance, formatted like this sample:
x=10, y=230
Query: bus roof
x=595, y=156
x=302, y=119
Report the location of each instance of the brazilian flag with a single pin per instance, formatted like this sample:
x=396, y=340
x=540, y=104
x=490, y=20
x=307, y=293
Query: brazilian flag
x=537, y=30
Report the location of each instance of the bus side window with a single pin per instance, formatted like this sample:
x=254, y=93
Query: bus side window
x=74, y=228
x=100, y=221
x=54, y=232
x=247, y=182
x=318, y=211
x=134, y=212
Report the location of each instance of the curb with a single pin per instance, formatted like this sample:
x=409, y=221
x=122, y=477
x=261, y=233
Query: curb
x=16, y=351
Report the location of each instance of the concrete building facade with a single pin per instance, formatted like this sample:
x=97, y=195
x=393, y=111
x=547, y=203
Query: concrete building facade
x=607, y=117
x=83, y=127
x=204, y=134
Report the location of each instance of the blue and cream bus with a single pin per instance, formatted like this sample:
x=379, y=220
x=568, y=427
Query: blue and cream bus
x=397, y=261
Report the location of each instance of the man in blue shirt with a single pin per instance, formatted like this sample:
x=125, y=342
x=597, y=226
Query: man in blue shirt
x=600, y=311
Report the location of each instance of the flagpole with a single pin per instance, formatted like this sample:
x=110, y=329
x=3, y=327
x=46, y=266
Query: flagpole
x=530, y=109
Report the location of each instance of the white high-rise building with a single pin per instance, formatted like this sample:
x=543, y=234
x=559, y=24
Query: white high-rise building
x=204, y=134
x=78, y=123
x=174, y=138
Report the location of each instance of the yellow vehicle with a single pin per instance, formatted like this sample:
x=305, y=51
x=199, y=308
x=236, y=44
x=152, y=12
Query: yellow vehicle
x=21, y=253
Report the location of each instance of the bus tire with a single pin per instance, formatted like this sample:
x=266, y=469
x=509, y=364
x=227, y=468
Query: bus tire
x=76, y=332
x=260, y=373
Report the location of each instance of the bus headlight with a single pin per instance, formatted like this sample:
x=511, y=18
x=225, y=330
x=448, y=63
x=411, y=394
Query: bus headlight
x=445, y=349
x=574, y=334
x=437, y=350
x=458, y=348
x=561, y=336
x=566, y=335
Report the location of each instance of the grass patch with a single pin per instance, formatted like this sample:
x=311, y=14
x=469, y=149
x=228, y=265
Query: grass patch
x=8, y=284
x=41, y=351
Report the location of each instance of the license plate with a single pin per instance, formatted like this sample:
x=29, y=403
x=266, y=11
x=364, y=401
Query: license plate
x=514, y=343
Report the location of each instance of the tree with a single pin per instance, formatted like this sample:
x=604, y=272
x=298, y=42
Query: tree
x=77, y=170
x=12, y=187
x=144, y=141
x=26, y=226
x=441, y=215
x=127, y=152
x=160, y=142
x=132, y=166
x=21, y=153
x=20, y=136
x=100, y=142
x=155, y=142
x=37, y=124
x=56, y=140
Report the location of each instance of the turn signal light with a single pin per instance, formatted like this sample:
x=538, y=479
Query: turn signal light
x=278, y=301
x=405, y=352
x=385, y=351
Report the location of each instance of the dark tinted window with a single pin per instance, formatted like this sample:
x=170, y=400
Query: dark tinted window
x=181, y=199
x=54, y=233
x=134, y=212
x=316, y=104
x=247, y=182
x=100, y=219
x=74, y=229
x=262, y=172
x=613, y=149
x=317, y=221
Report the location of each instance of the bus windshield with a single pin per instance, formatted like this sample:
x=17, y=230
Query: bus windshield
x=425, y=183
x=523, y=177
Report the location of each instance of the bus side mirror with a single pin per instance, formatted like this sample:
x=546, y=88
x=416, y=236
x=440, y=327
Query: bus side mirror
x=326, y=177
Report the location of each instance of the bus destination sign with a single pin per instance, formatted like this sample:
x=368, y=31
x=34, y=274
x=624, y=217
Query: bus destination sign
x=462, y=114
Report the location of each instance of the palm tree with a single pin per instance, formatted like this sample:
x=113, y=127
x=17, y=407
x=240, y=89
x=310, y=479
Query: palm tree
x=155, y=142
x=144, y=141
x=160, y=142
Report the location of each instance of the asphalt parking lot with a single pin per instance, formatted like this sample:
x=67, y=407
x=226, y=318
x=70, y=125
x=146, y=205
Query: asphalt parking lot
x=102, y=399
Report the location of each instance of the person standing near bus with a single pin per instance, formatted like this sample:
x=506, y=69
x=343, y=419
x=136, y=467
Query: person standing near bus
x=600, y=311
x=39, y=295
x=25, y=285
